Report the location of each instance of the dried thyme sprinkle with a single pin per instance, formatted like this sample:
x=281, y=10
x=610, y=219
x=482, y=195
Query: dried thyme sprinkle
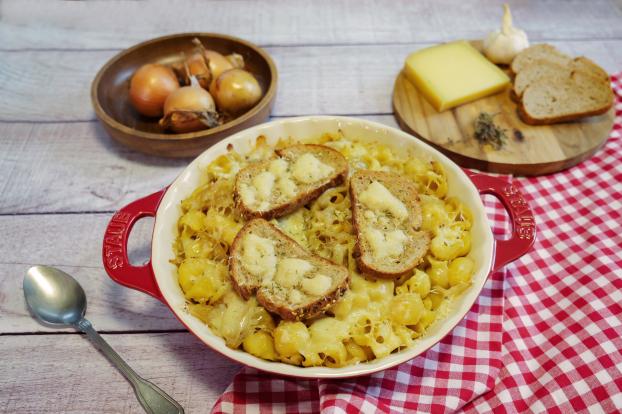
x=486, y=132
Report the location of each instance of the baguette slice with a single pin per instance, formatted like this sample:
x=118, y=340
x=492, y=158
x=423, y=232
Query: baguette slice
x=279, y=186
x=539, y=52
x=550, y=101
x=386, y=216
x=287, y=279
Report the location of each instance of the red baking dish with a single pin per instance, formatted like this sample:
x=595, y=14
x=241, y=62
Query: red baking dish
x=159, y=277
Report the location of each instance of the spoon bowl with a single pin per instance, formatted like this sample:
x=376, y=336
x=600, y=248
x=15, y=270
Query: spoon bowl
x=53, y=296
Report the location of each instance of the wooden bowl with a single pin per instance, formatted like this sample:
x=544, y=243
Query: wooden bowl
x=110, y=90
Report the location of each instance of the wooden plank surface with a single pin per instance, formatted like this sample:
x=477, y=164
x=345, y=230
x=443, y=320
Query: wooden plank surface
x=65, y=373
x=119, y=24
x=54, y=86
x=61, y=176
x=72, y=242
x=111, y=307
x=80, y=169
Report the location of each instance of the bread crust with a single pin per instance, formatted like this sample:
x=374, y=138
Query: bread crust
x=526, y=118
x=337, y=178
x=263, y=297
x=563, y=70
x=421, y=238
x=594, y=110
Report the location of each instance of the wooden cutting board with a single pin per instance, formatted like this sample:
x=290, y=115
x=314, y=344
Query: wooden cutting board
x=534, y=150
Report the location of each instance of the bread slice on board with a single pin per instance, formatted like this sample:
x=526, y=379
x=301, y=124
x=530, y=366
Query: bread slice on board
x=537, y=70
x=546, y=69
x=298, y=175
x=539, y=52
x=387, y=218
x=583, y=64
x=287, y=279
x=550, y=101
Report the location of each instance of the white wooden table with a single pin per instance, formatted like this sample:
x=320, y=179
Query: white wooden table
x=61, y=177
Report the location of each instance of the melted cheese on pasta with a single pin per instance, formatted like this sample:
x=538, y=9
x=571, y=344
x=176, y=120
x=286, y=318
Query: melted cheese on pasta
x=385, y=244
x=377, y=197
x=290, y=271
x=258, y=256
x=375, y=317
x=308, y=169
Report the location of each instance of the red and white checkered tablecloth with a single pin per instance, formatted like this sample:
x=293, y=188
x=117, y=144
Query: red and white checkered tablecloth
x=545, y=334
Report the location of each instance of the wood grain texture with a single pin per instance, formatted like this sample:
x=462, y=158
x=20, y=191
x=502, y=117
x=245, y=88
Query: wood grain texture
x=53, y=86
x=79, y=25
x=73, y=243
x=73, y=240
x=79, y=168
x=66, y=374
x=540, y=150
x=111, y=307
x=333, y=57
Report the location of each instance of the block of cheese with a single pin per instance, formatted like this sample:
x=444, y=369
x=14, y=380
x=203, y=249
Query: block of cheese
x=454, y=73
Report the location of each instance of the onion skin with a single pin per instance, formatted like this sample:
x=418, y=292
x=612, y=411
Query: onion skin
x=150, y=85
x=189, y=98
x=236, y=60
x=217, y=63
x=197, y=65
x=189, y=121
x=189, y=109
x=235, y=91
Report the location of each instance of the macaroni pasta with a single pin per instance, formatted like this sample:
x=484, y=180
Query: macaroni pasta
x=375, y=317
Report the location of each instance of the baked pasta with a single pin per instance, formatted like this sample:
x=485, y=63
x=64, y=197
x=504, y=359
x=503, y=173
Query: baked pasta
x=375, y=317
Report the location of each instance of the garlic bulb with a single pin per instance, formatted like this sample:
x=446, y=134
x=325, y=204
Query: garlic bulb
x=501, y=46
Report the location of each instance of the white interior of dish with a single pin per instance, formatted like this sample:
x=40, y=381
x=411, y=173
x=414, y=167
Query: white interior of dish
x=304, y=128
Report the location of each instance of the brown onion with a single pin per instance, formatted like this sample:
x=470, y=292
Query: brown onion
x=235, y=91
x=217, y=63
x=188, y=109
x=150, y=85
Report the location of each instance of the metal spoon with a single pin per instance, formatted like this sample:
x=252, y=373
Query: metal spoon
x=57, y=299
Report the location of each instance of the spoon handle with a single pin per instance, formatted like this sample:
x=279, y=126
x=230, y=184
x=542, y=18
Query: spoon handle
x=152, y=398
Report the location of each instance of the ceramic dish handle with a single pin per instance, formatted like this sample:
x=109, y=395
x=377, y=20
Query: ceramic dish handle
x=523, y=223
x=114, y=251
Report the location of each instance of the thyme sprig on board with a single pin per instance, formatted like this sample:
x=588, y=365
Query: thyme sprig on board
x=487, y=132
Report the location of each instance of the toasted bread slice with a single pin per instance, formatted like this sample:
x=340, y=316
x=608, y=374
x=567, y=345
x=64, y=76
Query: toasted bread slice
x=538, y=52
x=287, y=279
x=550, y=101
x=386, y=216
x=298, y=175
